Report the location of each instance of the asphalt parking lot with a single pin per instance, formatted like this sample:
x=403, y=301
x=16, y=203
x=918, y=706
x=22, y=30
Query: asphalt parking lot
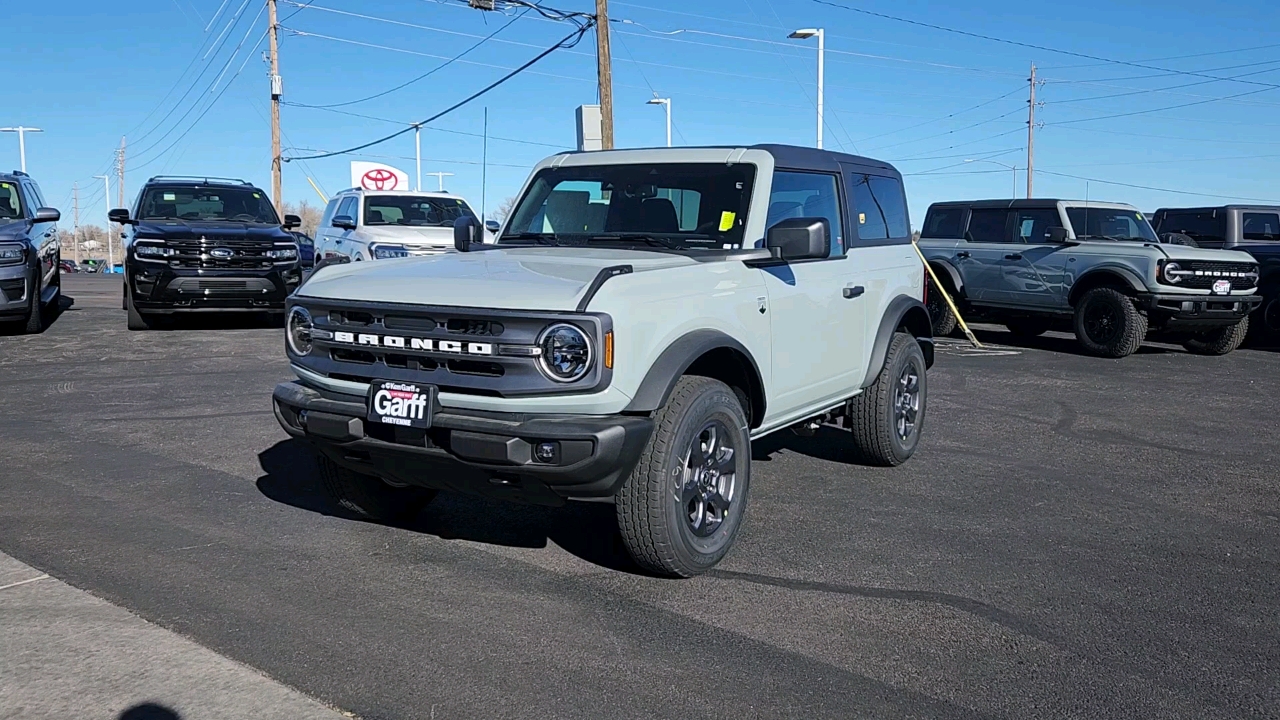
x=1077, y=537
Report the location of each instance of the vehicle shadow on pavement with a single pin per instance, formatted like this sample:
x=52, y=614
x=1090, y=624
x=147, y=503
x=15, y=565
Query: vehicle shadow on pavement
x=828, y=443
x=586, y=530
x=51, y=315
x=149, y=711
x=1065, y=343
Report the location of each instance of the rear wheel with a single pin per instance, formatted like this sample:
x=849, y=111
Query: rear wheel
x=940, y=314
x=1028, y=327
x=1108, y=324
x=887, y=417
x=371, y=497
x=1219, y=341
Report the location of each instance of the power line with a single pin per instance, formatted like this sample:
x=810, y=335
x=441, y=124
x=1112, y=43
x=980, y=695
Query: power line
x=1171, y=87
x=1170, y=137
x=945, y=117
x=1158, y=189
x=1159, y=109
x=568, y=41
x=436, y=129
x=1031, y=46
x=952, y=132
x=1174, y=57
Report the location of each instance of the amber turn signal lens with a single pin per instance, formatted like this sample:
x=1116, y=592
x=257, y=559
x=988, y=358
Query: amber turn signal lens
x=608, y=349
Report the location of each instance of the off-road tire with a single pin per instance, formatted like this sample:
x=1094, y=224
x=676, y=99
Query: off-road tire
x=1131, y=330
x=1219, y=341
x=1028, y=326
x=873, y=421
x=35, y=314
x=137, y=321
x=651, y=520
x=368, y=497
x=944, y=321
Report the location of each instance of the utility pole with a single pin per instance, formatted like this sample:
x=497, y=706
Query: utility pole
x=604, y=71
x=120, y=174
x=484, y=164
x=417, y=153
x=106, y=200
x=277, y=89
x=1031, y=130
x=75, y=221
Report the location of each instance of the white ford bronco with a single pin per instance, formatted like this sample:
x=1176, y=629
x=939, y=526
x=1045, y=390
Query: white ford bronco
x=644, y=315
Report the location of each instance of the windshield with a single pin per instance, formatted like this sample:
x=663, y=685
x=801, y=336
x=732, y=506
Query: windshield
x=414, y=211
x=10, y=202
x=676, y=206
x=232, y=204
x=1110, y=224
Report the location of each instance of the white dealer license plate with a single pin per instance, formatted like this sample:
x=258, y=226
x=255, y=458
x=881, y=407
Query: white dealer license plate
x=1221, y=287
x=401, y=403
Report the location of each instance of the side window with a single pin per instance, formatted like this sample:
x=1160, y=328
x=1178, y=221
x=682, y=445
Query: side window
x=891, y=203
x=329, y=211
x=943, y=222
x=865, y=213
x=1032, y=226
x=10, y=201
x=1261, y=226
x=37, y=199
x=1206, y=227
x=797, y=194
x=348, y=207
x=988, y=226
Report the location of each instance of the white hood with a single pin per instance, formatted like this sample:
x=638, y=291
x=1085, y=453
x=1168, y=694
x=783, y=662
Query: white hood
x=524, y=278
x=410, y=236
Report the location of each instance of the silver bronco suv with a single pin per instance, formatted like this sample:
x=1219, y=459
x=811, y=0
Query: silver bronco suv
x=643, y=316
x=1032, y=263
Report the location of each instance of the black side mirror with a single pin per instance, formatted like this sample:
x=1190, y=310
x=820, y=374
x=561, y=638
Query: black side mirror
x=346, y=222
x=47, y=214
x=291, y=222
x=803, y=238
x=492, y=226
x=466, y=232
x=1056, y=235
x=119, y=215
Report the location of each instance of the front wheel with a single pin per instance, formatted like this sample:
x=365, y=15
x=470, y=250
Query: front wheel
x=886, y=419
x=370, y=497
x=137, y=321
x=35, y=315
x=1219, y=341
x=680, y=509
x=1108, y=324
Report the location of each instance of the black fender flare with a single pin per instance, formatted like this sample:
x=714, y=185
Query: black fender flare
x=951, y=272
x=1135, y=283
x=672, y=363
x=902, y=310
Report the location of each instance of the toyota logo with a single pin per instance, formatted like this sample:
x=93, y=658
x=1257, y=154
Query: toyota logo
x=221, y=253
x=379, y=179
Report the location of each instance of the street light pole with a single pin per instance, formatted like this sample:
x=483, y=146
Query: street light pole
x=440, y=176
x=1014, y=168
x=417, y=153
x=106, y=200
x=22, y=142
x=820, y=33
x=666, y=104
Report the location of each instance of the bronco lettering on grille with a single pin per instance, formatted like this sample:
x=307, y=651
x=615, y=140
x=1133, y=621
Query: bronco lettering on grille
x=400, y=342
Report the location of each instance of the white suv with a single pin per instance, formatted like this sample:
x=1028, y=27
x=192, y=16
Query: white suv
x=378, y=225
x=644, y=316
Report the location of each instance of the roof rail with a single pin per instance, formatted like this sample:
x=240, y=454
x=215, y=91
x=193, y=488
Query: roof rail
x=205, y=178
x=19, y=173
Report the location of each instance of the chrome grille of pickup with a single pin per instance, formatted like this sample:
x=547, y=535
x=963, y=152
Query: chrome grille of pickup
x=1242, y=275
x=221, y=253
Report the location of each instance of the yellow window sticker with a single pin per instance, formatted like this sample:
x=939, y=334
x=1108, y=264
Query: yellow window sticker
x=1140, y=216
x=726, y=220
x=257, y=196
x=862, y=218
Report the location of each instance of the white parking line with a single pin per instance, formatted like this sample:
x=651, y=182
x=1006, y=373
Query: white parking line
x=22, y=582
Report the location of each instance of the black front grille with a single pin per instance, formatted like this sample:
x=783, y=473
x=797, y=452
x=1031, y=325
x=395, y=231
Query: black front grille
x=221, y=253
x=1242, y=275
x=222, y=284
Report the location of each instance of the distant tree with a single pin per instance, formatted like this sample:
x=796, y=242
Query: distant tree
x=504, y=209
x=309, y=213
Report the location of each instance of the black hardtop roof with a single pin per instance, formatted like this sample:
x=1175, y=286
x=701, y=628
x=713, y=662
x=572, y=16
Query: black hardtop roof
x=797, y=157
x=1260, y=206
x=1033, y=203
x=13, y=176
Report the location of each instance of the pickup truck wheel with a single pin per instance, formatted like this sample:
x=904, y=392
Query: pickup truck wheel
x=137, y=321
x=1027, y=327
x=369, y=496
x=680, y=509
x=1108, y=324
x=944, y=321
x=887, y=417
x=1219, y=341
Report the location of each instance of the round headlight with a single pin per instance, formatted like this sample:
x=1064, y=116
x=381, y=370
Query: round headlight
x=1173, y=272
x=566, y=352
x=298, y=330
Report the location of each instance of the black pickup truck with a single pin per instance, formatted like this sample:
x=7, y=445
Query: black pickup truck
x=1254, y=229
x=205, y=245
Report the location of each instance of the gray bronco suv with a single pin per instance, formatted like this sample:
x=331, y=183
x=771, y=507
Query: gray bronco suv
x=1030, y=263
x=643, y=317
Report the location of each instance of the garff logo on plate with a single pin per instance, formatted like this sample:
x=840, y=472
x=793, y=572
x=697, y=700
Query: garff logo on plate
x=1221, y=287
x=398, y=404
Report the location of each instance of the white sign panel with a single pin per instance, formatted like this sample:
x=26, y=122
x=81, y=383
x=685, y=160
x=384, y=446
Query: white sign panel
x=376, y=176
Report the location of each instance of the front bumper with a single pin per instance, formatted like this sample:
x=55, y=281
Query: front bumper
x=1190, y=311
x=482, y=453
x=160, y=289
x=14, y=280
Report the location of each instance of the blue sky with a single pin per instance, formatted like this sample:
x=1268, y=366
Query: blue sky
x=923, y=99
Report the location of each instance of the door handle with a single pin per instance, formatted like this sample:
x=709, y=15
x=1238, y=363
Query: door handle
x=962, y=254
x=853, y=292
x=1014, y=256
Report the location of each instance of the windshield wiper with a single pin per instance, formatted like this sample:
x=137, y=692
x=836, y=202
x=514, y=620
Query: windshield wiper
x=650, y=239
x=1115, y=238
x=540, y=238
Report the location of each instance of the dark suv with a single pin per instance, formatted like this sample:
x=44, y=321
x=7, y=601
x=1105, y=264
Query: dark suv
x=205, y=245
x=29, y=252
x=1255, y=229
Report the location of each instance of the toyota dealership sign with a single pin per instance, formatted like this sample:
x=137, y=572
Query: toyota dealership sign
x=376, y=176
